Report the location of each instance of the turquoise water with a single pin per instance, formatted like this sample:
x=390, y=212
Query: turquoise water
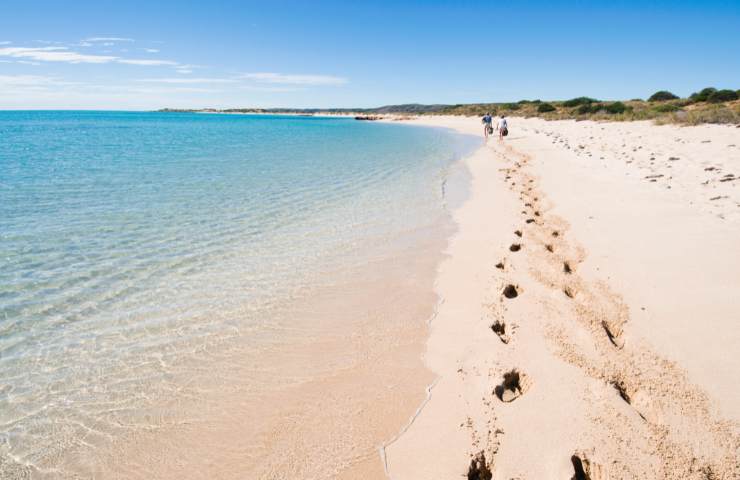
x=136, y=245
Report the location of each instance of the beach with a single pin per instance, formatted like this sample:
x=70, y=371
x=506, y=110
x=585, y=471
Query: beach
x=587, y=325
x=388, y=299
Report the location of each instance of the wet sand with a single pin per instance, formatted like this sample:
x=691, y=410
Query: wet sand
x=589, y=304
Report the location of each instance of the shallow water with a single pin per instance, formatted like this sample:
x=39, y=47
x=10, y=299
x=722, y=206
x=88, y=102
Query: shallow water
x=160, y=269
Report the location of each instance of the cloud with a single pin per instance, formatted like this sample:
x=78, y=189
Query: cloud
x=108, y=39
x=63, y=54
x=253, y=88
x=53, y=54
x=283, y=79
x=25, y=80
x=151, y=50
x=5, y=43
x=185, y=69
x=187, y=80
x=146, y=62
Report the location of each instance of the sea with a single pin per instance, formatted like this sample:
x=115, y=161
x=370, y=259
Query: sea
x=190, y=295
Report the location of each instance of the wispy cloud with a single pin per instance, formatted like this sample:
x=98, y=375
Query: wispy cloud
x=108, y=39
x=53, y=54
x=25, y=80
x=151, y=50
x=286, y=79
x=5, y=42
x=63, y=54
x=187, y=80
x=185, y=69
x=268, y=89
x=132, y=61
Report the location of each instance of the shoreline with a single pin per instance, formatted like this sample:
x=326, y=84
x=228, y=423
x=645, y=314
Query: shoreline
x=595, y=371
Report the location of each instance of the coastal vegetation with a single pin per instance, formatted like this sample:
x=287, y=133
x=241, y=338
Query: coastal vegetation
x=708, y=105
x=545, y=107
x=662, y=96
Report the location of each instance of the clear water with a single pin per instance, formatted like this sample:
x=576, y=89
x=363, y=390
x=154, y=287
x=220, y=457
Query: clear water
x=135, y=246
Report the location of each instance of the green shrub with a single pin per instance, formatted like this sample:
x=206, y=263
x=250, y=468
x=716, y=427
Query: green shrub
x=587, y=108
x=722, y=96
x=662, y=96
x=617, y=107
x=512, y=106
x=703, y=95
x=666, y=107
x=574, y=102
x=545, y=107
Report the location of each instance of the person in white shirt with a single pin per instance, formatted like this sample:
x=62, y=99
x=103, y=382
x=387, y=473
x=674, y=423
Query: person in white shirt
x=503, y=128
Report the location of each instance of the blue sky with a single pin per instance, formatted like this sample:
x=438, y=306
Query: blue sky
x=146, y=55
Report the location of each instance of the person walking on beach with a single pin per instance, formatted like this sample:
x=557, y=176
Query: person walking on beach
x=503, y=127
x=487, y=125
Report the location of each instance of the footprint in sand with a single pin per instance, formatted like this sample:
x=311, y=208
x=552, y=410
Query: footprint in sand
x=479, y=469
x=612, y=336
x=514, y=385
x=621, y=389
x=499, y=328
x=584, y=469
x=510, y=291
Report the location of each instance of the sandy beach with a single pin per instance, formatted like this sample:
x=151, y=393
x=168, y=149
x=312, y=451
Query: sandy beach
x=587, y=325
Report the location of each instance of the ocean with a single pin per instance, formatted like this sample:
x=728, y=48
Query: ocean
x=166, y=277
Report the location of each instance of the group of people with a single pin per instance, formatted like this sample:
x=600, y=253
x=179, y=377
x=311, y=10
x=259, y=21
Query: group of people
x=502, y=126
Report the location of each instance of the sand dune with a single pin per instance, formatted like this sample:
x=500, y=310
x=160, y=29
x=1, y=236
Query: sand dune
x=589, y=305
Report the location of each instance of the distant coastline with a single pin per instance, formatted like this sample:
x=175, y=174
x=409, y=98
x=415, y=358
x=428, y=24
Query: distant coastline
x=708, y=105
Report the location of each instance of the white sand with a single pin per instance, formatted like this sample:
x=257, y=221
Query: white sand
x=652, y=236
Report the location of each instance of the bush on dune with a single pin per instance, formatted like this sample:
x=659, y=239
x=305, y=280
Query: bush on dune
x=545, y=107
x=722, y=96
x=587, y=108
x=702, y=95
x=667, y=107
x=617, y=107
x=574, y=102
x=662, y=96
